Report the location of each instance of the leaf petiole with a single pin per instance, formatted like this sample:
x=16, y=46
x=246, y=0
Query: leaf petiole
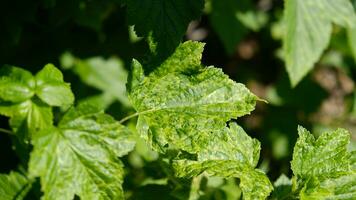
x=6, y=131
x=128, y=117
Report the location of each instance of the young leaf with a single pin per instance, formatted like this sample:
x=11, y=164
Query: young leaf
x=181, y=103
x=230, y=153
x=13, y=186
x=27, y=99
x=165, y=21
x=351, y=33
x=51, y=88
x=80, y=156
x=323, y=166
x=16, y=84
x=325, y=156
x=308, y=31
x=108, y=75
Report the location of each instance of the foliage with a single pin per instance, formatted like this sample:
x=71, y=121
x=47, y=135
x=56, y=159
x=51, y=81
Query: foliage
x=163, y=22
x=14, y=186
x=308, y=31
x=137, y=112
x=322, y=168
x=27, y=99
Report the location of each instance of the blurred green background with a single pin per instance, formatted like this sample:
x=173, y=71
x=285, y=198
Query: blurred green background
x=93, y=45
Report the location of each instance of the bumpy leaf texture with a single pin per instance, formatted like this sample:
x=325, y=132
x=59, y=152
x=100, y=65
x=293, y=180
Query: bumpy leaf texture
x=182, y=102
x=308, y=31
x=13, y=186
x=26, y=99
x=230, y=153
x=323, y=167
x=164, y=21
x=184, y=106
x=80, y=156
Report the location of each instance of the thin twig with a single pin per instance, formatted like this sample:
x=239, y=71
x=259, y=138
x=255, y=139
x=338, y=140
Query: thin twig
x=6, y=131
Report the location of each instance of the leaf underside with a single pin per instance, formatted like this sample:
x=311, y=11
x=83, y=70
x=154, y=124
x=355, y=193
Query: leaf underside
x=164, y=21
x=308, y=31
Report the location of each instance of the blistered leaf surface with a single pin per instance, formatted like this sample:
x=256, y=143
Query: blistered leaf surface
x=80, y=157
x=230, y=153
x=323, y=167
x=13, y=186
x=181, y=103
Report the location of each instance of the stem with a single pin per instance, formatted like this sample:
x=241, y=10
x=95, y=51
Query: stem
x=154, y=110
x=6, y=131
x=194, y=193
x=137, y=114
x=128, y=117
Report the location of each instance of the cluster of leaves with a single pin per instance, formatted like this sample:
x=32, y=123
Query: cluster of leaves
x=182, y=110
x=186, y=112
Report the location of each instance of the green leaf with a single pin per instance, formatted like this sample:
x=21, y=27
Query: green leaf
x=230, y=153
x=322, y=157
x=89, y=117
x=13, y=186
x=181, y=103
x=103, y=100
x=232, y=20
x=80, y=156
x=308, y=31
x=51, y=88
x=224, y=19
x=27, y=99
x=28, y=117
x=232, y=144
x=164, y=21
x=108, y=75
x=253, y=20
x=351, y=33
x=282, y=188
x=353, y=160
x=341, y=187
x=16, y=84
x=255, y=185
x=184, y=106
x=323, y=167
